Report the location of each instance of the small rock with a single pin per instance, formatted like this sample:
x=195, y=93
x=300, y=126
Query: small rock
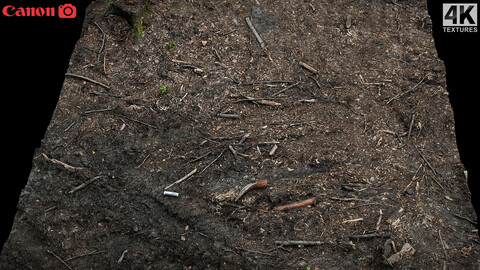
x=348, y=22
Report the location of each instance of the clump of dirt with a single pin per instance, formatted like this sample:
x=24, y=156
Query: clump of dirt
x=369, y=133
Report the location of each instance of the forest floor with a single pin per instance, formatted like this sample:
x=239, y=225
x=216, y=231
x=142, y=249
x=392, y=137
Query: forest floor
x=365, y=128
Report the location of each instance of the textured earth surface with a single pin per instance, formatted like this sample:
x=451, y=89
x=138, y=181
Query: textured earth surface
x=364, y=127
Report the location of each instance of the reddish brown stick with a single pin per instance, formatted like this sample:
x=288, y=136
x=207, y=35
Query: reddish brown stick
x=247, y=188
x=296, y=205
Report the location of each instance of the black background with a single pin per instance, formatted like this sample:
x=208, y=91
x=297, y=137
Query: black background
x=35, y=53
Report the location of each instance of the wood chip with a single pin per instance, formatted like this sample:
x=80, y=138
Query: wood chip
x=274, y=149
x=182, y=179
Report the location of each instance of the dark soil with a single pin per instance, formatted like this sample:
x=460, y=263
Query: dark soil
x=370, y=136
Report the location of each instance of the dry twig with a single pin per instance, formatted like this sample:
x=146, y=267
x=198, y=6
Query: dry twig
x=223, y=151
x=182, y=179
x=406, y=92
x=257, y=36
x=65, y=165
x=83, y=185
x=307, y=67
x=87, y=79
x=298, y=242
x=285, y=89
x=370, y=235
x=228, y=115
x=296, y=205
x=103, y=40
x=60, y=259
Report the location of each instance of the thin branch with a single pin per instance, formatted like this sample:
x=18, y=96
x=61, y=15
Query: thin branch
x=65, y=165
x=425, y=159
x=60, y=259
x=87, y=79
x=370, y=235
x=182, y=179
x=296, y=205
x=466, y=219
x=257, y=36
x=103, y=40
x=298, y=242
x=213, y=161
x=285, y=89
x=265, y=82
x=406, y=92
x=83, y=185
x=98, y=111
x=307, y=67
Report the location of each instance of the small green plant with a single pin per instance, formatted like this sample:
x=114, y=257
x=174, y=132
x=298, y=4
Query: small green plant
x=163, y=89
x=170, y=46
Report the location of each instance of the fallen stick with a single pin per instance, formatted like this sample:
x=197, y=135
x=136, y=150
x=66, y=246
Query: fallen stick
x=252, y=99
x=65, y=165
x=265, y=82
x=347, y=199
x=210, y=164
x=87, y=79
x=228, y=115
x=298, y=242
x=252, y=186
x=307, y=67
x=143, y=162
x=268, y=142
x=285, y=89
x=466, y=219
x=182, y=179
x=233, y=151
x=83, y=185
x=352, y=220
x=60, y=259
x=410, y=127
x=98, y=111
x=296, y=205
x=257, y=36
x=103, y=40
x=86, y=254
x=268, y=102
x=426, y=160
x=370, y=235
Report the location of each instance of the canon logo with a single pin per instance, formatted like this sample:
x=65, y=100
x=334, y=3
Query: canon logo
x=64, y=11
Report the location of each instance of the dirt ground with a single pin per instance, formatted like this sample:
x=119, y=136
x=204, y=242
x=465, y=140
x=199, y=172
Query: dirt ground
x=369, y=134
